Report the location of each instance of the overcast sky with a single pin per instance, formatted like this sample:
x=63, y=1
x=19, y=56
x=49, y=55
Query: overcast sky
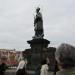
x=16, y=22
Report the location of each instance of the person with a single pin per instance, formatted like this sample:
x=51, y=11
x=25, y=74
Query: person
x=21, y=69
x=55, y=68
x=38, y=24
x=65, y=56
x=44, y=68
x=37, y=70
x=3, y=68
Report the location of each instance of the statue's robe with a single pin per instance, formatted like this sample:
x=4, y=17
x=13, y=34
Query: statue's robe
x=38, y=25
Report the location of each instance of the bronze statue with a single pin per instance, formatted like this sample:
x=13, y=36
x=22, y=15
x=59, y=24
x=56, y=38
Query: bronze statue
x=38, y=24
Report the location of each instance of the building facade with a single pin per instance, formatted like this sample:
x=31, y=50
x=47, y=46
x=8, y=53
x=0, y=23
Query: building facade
x=10, y=57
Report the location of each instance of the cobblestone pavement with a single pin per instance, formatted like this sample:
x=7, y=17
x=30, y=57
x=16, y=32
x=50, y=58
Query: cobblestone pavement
x=13, y=72
x=10, y=72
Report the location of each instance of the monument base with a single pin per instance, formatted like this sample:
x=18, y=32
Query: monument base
x=37, y=51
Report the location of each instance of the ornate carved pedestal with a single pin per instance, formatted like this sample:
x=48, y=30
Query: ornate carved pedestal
x=37, y=51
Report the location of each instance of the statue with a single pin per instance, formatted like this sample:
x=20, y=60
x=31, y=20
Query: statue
x=38, y=25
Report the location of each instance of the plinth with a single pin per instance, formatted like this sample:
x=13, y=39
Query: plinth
x=37, y=47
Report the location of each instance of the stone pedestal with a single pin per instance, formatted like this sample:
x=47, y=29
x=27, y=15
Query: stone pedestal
x=37, y=47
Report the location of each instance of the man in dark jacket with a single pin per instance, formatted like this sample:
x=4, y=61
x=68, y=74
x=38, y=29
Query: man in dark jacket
x=3, y=68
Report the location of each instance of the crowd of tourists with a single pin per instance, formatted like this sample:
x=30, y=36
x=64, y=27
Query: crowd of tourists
x=64, y=63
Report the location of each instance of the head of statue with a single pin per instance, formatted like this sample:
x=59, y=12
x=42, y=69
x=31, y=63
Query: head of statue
x=38, y=9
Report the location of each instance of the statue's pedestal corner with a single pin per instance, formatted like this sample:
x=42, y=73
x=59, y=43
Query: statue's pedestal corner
x=38, y=41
